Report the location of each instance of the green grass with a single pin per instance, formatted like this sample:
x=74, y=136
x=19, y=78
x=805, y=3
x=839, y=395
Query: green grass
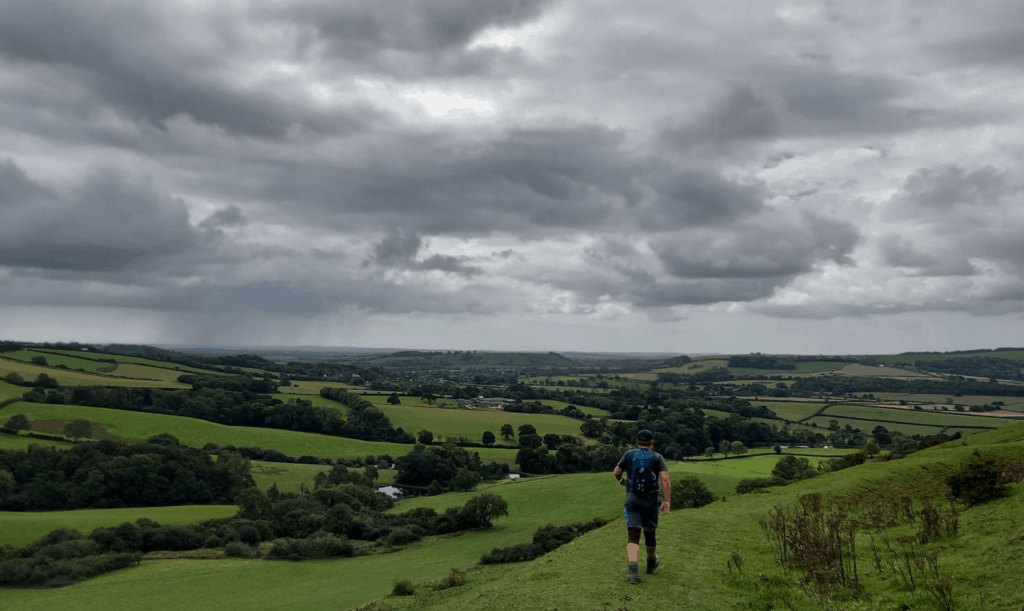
x=197, y=433
x=53, y=360
x=23, y=527
x=304, y=387
x=20, y=442
x=695, y=545
x=905, y=428
x=129, y=359
x=790, y=410
x=78, y=378
x=914, y=416
x=469, y=423
x=10, y=391
x=589, y=573
x=289, y=476
x=801, y=367
x=314, y=399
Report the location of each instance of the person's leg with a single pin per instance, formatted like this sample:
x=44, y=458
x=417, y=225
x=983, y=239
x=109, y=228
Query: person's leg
x=633, y=545
x=651, y=541
x=650, y=527
x=634, y=524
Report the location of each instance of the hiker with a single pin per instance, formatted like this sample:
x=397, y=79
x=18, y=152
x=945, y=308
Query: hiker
x=640, y=470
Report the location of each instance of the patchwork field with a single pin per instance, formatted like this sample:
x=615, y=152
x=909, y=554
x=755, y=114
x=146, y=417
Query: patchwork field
x=910, y=358
x=469, y=423
x=1011, y=403
x=790, y=410
x=289, y=476
x=23, y=527
x=130, y=360
x=10, y=391
x=856, y=369
x=78, y=378
x=197, y=433
x=55, y=359
x=913, y=416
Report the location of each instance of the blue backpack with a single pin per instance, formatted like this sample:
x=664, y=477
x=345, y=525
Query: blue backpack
x=643, y=479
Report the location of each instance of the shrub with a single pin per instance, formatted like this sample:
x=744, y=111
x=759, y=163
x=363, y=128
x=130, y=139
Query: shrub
x=403, y=587
x=751, y=484
x=403, y=535
x=237, y=550
x=456, y=578
x=977, y=481
x=249, y=535
x=213, y=542
x=690, y=492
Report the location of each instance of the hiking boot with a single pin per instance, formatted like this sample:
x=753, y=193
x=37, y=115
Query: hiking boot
x=652, y=563
x=634, y=573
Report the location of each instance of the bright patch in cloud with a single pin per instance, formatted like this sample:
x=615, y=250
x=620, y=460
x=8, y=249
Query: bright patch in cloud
x=440, y=104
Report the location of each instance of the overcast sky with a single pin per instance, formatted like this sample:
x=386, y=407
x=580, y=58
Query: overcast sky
x=673, y=176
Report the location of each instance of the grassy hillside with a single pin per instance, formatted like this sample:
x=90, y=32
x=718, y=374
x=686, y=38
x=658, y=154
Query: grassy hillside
x=696, y=544
x=20, y=442
x=79, y=378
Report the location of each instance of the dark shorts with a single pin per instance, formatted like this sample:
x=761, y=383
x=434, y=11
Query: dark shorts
x=641, y=512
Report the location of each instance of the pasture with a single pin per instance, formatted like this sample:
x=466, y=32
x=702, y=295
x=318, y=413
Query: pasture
x=197, y=433
x=790, y=410
x=919, y=356
x=913, y=416
x=305, y=387
x=468, y=423
x=20, y=442
x=10, y=391
x=128, y=360
x=78, y=378
x=1010, y=403
x=23, y=527
x=56, y=359
x=289, y=476
x=856, y=369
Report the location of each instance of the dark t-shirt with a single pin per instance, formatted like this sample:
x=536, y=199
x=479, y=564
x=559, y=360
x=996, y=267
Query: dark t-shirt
x=658, y=465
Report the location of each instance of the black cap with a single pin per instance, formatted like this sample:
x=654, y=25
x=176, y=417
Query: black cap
x=645, y=435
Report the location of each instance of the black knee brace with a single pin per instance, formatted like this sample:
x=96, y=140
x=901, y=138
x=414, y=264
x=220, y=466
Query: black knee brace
x=634, y=535
x=650, y=538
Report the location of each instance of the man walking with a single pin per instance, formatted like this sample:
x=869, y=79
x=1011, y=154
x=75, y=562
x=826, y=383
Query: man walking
x=640, y=470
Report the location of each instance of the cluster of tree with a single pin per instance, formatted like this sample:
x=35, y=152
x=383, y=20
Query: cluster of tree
x=231, y=383
x=954, y=386
x=443, y=468
x=978, y=366
x=7, y=346
x=546, y=538
x=571, y=456
x=788, y=469
x=762, y=361
x=59, y=559
x=41, y=381
x=365, y=420
x=111, y=474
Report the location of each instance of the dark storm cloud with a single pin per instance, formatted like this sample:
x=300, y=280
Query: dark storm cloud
x=105, y=222
x=405, y=38
x=1003, y=47
x=153, y=63
x=529, y=182
x=399, y=251
x=231, y=216
x=703, y=198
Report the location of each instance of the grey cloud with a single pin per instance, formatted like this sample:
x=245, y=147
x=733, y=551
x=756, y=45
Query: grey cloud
x=695, y=197
x=185, y=67
x=770, y=249
x=898, y=252
x=940, y=190
x=231, y=216
x=106, y=222
x=399, y=250
x=1004, y=47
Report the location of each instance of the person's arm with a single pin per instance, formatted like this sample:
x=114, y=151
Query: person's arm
x=619, y=473
x=666, y=490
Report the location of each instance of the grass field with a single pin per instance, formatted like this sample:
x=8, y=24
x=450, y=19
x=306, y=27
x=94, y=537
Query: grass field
x=78, y=378
x=288, y=476
x=906, y=428
x=856, y=369
x=305, y=387
x=55, y=359
x=23, y=527
x=790, y=410
x=1011, y=403
x=694, y=545
x=454, y=423
x=914, y=416
x=20, y=442
x=197, y=433
x=10, y=391
x=130, y=360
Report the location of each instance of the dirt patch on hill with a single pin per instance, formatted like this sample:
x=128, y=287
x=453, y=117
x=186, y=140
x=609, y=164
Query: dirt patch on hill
x=56, y=427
